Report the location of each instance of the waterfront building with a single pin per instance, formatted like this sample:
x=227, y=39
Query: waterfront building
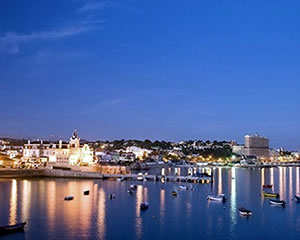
x=257, y=146
x=60, y=153
x=238, y=149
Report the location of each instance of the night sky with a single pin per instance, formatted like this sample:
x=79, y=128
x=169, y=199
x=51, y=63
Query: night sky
x=157, y=69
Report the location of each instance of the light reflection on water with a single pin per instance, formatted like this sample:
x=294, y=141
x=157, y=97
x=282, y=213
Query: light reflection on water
x=13, y=202
x=40, y=203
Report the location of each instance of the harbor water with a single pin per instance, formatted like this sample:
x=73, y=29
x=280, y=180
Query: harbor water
x=40, y=202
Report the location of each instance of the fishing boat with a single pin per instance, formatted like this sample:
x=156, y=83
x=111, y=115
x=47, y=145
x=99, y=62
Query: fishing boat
x=277, y=202
x=12, y=228
x=219, y=198
x=271, y=194
x=183, y=187
x=144, y=205
x=86, y=192
x=112, y=196
x=297, y=198
x=69, y=198
x=267, y=186
x=174, y=193
x=245, y=212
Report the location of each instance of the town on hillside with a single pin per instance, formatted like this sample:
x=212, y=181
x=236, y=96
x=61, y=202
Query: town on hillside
x=37, y=153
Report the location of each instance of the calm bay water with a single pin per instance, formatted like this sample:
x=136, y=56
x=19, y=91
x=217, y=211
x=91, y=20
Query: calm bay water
x=40, y=202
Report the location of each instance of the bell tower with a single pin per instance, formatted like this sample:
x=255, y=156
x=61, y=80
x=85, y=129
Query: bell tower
x=74, y=140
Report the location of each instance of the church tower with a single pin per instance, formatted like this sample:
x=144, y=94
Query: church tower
x=74, y=140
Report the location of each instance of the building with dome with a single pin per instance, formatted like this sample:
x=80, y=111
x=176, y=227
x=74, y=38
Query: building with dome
x=59, y=153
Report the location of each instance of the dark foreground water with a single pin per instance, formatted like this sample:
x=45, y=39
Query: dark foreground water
x=40, y=202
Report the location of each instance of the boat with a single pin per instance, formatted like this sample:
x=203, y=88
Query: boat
x=133, y=186
x=69, y=198
x=271, y=194
x=297, y=198
x=144, y=205
x=12, y=228
x=219, y=198
x=277, y=202
x=130, y=190
x=140, y=177
x=86, y=192
x=121, y=179
x=267, y=186
x=112, y=196
x=174, y=193
x=183, y=187
x=245, y=212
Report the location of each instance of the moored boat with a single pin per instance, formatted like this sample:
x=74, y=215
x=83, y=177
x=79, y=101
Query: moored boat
x=12, y=228
x=297, y=198
x=219, y=198
x=174, y=193
x=86, y=192
x=130, y=190
x=271, y=194
x=267, y=186
x=245, y=212
x=133, y=186
x=183, y=187
x=121, y=179
x=277, y=202
x=112, y=196
x=140, y=177
x=69, y=198
x=144, y=205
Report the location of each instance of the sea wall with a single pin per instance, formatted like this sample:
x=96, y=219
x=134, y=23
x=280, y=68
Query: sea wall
x=30, y=173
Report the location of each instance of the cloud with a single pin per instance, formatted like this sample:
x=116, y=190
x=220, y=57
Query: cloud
x=92, y=6
x=11, y=41
x=104, y=104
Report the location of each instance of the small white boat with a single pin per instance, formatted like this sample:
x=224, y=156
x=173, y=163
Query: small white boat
x=120, y=179
x=277, y=202
x=144, y=205
x=140, y=177
x=69, y=198
x=219, y=198
x=183, y=187
x=133, y=186
x=245, y=212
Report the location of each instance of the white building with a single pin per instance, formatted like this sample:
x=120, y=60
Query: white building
x=71, y=153
x=238, y=149
x=138, y=152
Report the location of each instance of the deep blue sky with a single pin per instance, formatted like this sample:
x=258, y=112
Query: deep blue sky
x=158, y=69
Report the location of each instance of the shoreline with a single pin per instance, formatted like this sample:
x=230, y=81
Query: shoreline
x=78, y=174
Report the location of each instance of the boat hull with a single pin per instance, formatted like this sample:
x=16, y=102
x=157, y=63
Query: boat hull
x=12, y=228
x=277, y=203
x=275, y=195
